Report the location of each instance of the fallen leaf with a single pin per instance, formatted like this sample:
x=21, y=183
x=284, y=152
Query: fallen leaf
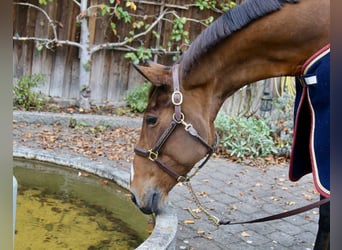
x=203, y=194
x=307, y=217
x=245, y=234
x=28, y=135
x=83, y=174
x=233, y=207
x=196, y=210
x=187, y=222
x=52, y=138
x=103, y=182
x=308, y=197
x=201, y=232
x=290, y=203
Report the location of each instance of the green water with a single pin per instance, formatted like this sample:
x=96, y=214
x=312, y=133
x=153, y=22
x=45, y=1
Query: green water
x=59, y=209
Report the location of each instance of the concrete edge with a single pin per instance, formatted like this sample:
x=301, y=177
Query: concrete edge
x=164, y=232
x=85, y=119
x=77, y=162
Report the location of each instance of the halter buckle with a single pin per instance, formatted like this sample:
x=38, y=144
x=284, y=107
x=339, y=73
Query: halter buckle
x=177, y=98
x=152, y=156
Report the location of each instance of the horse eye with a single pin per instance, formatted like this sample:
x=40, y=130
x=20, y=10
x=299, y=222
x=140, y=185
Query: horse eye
x=151, y=120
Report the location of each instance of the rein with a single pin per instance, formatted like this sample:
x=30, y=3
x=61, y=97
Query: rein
x=177, y=119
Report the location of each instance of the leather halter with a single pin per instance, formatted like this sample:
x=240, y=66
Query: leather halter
x=177, y=119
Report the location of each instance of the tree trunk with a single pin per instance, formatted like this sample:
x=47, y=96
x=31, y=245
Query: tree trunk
x=85, y=56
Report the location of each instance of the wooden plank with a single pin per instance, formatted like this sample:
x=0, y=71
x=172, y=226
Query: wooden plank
x=98, y=83
x=74, y=86
x=118, y=78
x=92, y=22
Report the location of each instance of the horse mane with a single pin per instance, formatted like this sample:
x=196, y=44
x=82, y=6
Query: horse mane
x=231, y=21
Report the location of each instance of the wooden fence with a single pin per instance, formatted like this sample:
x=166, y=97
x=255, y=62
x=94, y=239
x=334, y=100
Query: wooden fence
x=111, y=74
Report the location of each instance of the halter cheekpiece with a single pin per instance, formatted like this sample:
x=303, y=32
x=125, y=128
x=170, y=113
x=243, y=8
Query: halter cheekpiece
x=177, y=119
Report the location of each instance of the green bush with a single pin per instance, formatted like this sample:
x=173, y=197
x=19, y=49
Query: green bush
x=137, y=97
x=245, y=137
x=23, y=94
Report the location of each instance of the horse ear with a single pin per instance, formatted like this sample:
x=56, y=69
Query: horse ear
x=157, y=74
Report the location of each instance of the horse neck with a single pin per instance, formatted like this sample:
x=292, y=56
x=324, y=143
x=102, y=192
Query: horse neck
x=265, y=48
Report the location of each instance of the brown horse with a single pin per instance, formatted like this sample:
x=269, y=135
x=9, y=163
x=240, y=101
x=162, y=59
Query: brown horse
x=249, y=43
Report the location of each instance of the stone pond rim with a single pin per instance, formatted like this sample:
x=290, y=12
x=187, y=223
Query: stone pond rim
x=164, y=233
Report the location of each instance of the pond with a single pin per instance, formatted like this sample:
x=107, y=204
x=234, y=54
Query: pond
x=61, y=208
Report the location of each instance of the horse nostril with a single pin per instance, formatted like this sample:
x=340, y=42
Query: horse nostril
x=155, y=201
x=134, y=200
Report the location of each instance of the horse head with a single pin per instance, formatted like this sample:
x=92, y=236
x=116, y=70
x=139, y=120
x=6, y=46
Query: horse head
x=175, y=135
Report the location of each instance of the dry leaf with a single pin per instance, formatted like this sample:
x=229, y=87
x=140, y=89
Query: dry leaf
x=308, y=197
x=245, y=234
x=186, y=222
x=28, y=135
x=103, y=182
x=203, y=194
x=83, y=174
x=233, y=207
x=196, y=210
x=290, y=203
x=201, y=232
x=52, y=138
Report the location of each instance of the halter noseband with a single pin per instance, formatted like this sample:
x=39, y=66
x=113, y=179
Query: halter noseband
x=178, y=119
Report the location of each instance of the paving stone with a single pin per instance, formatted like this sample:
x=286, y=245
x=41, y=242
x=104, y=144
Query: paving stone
x=245, y=193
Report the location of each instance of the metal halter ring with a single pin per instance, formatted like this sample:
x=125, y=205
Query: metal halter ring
x=152, y=155
x=174, y=99
x=181, y=120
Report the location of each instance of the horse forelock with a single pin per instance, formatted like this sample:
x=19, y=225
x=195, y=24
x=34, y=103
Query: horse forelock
x=231, y=21
x=158, y=96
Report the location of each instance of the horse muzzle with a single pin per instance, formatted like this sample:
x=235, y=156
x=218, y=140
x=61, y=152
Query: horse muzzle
x=150, y=203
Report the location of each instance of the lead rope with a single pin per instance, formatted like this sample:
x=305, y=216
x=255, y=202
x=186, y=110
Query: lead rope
x=217, y=222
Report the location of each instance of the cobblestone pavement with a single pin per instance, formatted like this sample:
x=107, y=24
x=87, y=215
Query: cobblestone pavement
x=238, y=193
